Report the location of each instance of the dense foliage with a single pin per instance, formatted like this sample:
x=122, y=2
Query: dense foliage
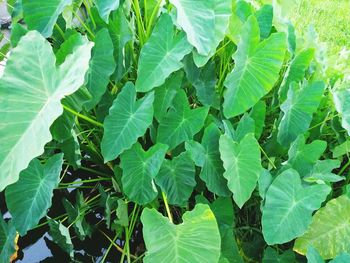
x=182, y=130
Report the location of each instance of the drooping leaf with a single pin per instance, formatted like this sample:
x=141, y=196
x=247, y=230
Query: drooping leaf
x=102, y=65
x=301, y=104
x=222, y=12
x=272, y=256
x=257, y=67
x=264, y=17
x=7, y=240
x=71, y=150
x=30, y=197
x=180, y=123
x=341, y=97
x=60, y=235
x=139, y=170
x=207, y=156
x=195, y=240
x=197, y=19
x=39, y=89
x=105, y=7
x=296, y=71
x=242, y=163
x=289, y=206
x=128, y=119
x=176, y=178
x=41, y=15
x=329, y=230
x=122, y=213
x=161, y=55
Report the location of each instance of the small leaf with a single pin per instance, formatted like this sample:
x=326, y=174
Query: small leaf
x=139, y=170
x=105, y=7
x=272, y=256
x=60, y=235
x=128, y=119
x=289, y=206
x=322, y=170
x=264, y=17
x=258, y=114
x=341, y=97
x=341, y=149
x=196, y=240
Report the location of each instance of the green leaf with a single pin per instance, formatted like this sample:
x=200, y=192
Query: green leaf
x=105, y=7
x=313, y=256
x=197, y=19
x=41, y=15
x=139, y=170
x=164, y=95
x=222, y=12
x=341, y=97
x=329, y=230
x=38, y=90
x=272, y=256
x=241, y=10
x=341, y=149
x=60, y=235
x=322, y=170
x=264, y=17
x=195, y=240
x=161, y=55
x=122, y=213
x=180, y=123
x=30, y=197
x=301, y=104
x=242, y=163
x=207, y=156
x=7, y=240
x=289, y=206
x=296, y=71
x=258, y=114
x=71, y=150
x=128, y=119
x=102, y=65
x=257, y=67
x=176, y=178
x=342, y=258
x=245, y=125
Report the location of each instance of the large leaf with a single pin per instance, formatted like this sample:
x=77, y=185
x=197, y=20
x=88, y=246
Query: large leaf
x=207, y=156
x=102, y=65
x=30, y=197
x=329, y=230
x=41, y=15
x=197, y=19
x=105, y=7
x=38, y=90
x=195, y=240
x=341, y=97
x=161, y=55
x=128, y=119
x=7, y=240
x=176, y=178
x=301, y=104
x=222, y=12
x=289, y=206
x=180, y=123
x=257, y=67
x=242, y=163
x=139, y=170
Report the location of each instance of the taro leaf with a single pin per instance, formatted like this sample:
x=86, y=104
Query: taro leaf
x=264, y=17
x=242, y=163
x=329, y=230
x=341, y=97
x=39, y=90
x=241, y=10
x=195, y=240
x=177, y=178
x=164, y=95
x=102, y=65
x=222, y=12
x=110, y=205
x=71, y=150
x=197, y=19
x=122, y=213
x=301, y=104
x=302, y=157
x=60, y=235
x=257, y=67
x=121, y=33
x=30, y=197
x=202, y=79
x=272, y=256
x=161, y=55
x=128, y=119
x=296, y=71
x=341, y=149
x=265, y=180
x=180, y=123
x=41, y=15
x=289, y=206
x=7, y=240
x=105, y=7
x=258, y=114
x=245, y=125
x=139, y=170
x=207, y=156
x=341, y=258
x=322, y=170
x=313, y=256
x=17, y=32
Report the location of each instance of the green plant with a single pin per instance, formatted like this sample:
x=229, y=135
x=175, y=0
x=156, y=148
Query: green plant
x=205, y=125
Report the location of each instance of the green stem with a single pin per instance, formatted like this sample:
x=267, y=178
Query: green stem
x=86, y=181
x=267, y=157
x=109, y=247
x=167, y=207
x=139, y=22
x=153, y=15
x=60, y=31
x=88, y=119
x=82, y=23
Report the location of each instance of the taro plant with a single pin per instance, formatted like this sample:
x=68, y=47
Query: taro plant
x=176, y=131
